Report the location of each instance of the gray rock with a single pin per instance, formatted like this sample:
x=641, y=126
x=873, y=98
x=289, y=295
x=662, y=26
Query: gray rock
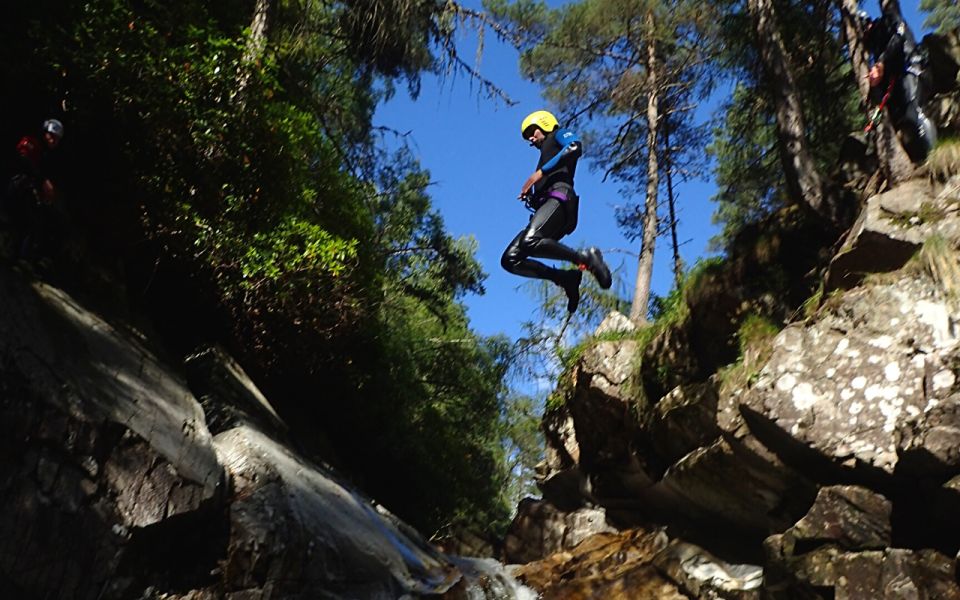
x=295, y=529
x=602, y=402
x=850, y=517
x=104, y=446
x=729, y=484
x=540, y=529
x=559, y=476
x=844, y=385
x=892, y=574
x=615, y=322
x=703, y=575
x=682, y=421
x=890, y=230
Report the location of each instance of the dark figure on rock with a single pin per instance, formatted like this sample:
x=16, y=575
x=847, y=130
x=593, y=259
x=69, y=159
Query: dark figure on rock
x=31, y=198
x=898, y=81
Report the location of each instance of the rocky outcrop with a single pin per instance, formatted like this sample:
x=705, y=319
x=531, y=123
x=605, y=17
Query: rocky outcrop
x=540, y=529
x=113, y=487
x=639, y=565
x=829, y=460
x=892, y=227
x=841, y=549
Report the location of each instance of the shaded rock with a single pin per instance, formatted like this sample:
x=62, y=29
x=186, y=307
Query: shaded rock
x=228, y=396
x=729, y=484
x=105, y=457
x=943, y=55
x=840, y=548
x=559, y=476
x=540, y=529
x=930, y=443
x=890, y=229
x=601, y=403
x=858, y=163
x=850, y=517
x=944, y=110
x=891, y=574
x=683, y=420
x=669, y=360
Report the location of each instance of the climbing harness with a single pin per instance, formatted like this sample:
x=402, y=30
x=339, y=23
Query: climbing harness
x=878, y=111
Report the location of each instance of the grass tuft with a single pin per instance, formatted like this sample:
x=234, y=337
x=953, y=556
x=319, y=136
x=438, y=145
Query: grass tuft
x=944, y=161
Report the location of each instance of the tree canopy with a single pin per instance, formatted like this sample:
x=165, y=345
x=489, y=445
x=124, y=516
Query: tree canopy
x=222, y=161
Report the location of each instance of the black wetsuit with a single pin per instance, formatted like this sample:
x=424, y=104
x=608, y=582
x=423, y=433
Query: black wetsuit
x=556, y=206
x=891, y=42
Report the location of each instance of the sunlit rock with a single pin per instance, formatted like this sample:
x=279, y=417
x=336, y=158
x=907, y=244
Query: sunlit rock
x=540, y=529
x=891, y=229
x=844, y=385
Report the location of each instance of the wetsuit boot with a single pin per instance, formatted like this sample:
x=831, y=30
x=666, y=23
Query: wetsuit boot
x=570, y=282
x=592, y=260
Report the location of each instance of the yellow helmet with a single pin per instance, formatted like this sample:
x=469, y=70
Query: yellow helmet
x=542, y=119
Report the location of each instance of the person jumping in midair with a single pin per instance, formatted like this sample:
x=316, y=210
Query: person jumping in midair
x=549, y=192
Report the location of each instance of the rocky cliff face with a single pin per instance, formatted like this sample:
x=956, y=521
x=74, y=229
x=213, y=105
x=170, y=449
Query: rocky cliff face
x=829, y=460
x=125, y=476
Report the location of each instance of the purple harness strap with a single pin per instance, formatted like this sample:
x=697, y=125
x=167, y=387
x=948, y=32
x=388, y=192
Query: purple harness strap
x=557, y=194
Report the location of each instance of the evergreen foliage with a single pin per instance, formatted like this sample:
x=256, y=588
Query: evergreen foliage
x=748, y=168
x=944, y=15
x=232, y=170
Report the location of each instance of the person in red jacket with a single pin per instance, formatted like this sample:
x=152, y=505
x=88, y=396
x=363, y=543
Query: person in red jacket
x=31, y=192
x=34, y=153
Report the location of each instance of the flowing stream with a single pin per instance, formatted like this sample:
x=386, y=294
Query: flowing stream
x=487, y=579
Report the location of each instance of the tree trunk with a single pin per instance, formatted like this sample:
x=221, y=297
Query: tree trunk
x=671, y=204
x=256, y=45
x=803, y=179
x=894, y=162
x=641, y=292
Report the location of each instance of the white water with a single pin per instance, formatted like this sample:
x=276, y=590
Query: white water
x=487, y=579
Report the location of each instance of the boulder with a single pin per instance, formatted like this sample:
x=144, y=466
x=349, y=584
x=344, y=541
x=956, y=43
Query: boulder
x=295, y=529
x=640, y=564
x=540, y=529
x=615, y=322
x=849, y=517
x=730, y=484
x=890, y=229
x=112, y=486
x=610, y=566
x=836, y=391
x=682, y=421
x=105, y=457
x=891, y=574
x=601, y=404
x=559, y=476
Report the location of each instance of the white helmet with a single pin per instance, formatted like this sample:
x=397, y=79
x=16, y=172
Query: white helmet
x=53, y=126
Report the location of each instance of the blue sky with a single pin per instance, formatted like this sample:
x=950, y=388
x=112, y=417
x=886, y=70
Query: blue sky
x=478, y=161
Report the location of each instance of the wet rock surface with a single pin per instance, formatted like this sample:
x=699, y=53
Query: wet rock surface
x=113, y=487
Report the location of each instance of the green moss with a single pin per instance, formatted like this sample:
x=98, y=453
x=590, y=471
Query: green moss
x=810, y=306
x=940, y=261
x=929, y=212
x=755, y=336
x=944, y=161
